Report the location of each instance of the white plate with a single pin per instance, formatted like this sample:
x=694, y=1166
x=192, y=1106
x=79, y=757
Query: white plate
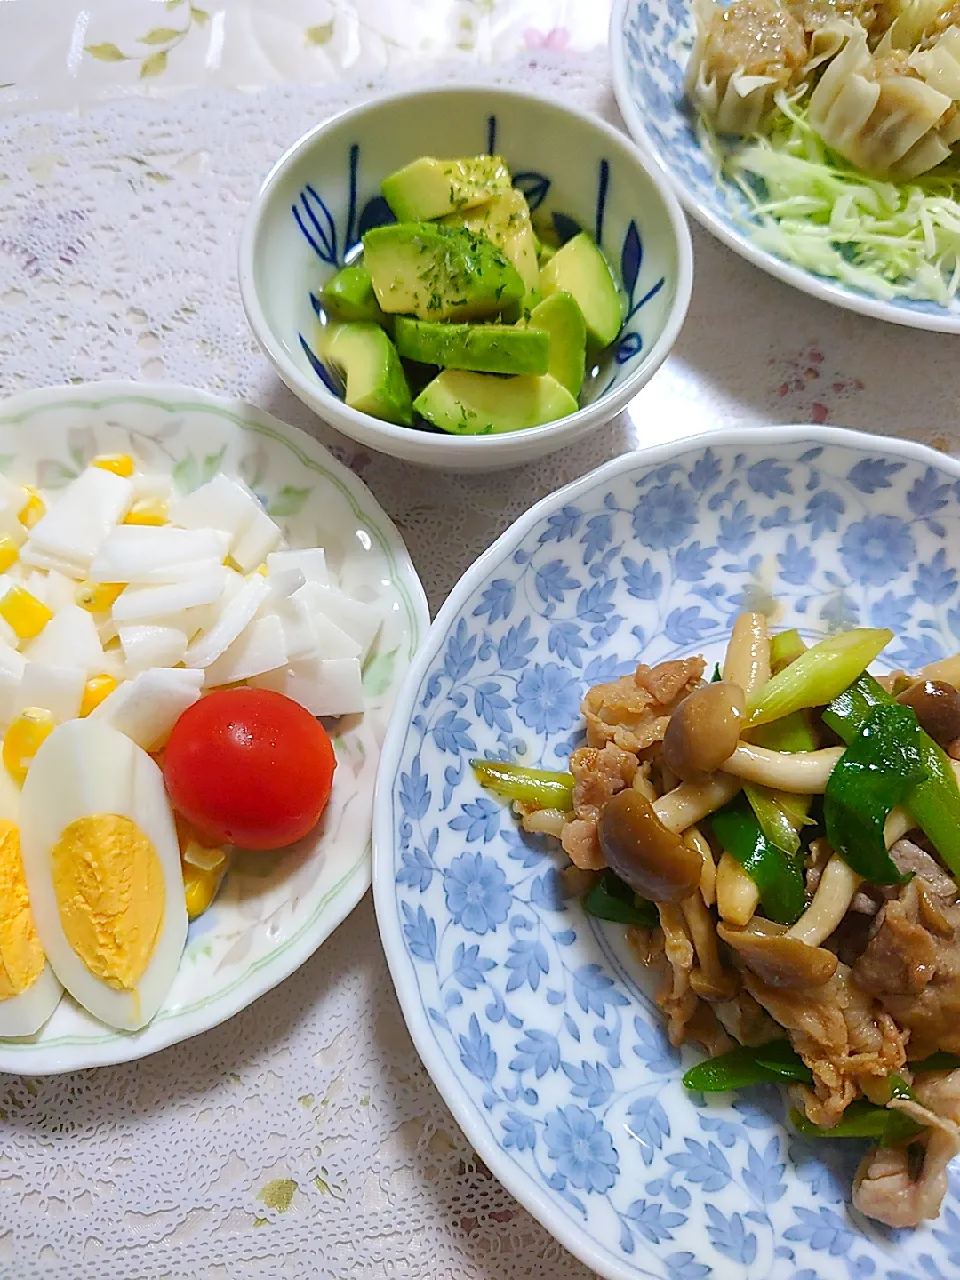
x=272, y=914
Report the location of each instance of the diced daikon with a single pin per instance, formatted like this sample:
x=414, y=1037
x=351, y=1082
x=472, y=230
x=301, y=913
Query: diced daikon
x=58, y=689
x=151, y=554
x=284, y=582
x=233, y=618
x=221, y=503
x=31, y=557
x=311, y=561
x=11, y=526
x=13, y=495
x=359, y=620
x=76, y=524
x=147, y=707
x=153, y=487
x=259, y=647
x=70, y=638
x=145, y=646
x=148, y=603
x=326, y=688
x=256, y=542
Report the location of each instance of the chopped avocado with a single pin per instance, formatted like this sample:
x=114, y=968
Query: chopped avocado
x=488, y=348
x=371, y=368
x=477, y=404
x=581, y=269
x=429, y=188
x=439, y=273
x=561, y=319
x=506, y=221
x=349, y=295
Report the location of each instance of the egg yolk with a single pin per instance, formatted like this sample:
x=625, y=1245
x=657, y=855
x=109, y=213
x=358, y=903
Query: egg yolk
x=111, y=896
x=21, y=956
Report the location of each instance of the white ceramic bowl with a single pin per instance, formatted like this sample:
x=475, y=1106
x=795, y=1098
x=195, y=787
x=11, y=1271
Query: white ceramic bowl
x=650, y=43
x=271, y=914
x=324, y=193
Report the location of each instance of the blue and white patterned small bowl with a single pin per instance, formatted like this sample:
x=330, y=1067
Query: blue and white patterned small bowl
x=324, y=193
x=534, y=1020
x=650, y=42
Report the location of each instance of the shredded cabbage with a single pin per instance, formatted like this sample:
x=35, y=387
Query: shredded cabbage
x=813, y=208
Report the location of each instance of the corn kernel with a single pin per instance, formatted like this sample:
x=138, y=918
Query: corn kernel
x=34, y=507
x=9, y=553
x=94, y=691
x=147, y=513
x=98, y=597
x=200, y=887
x=121, y=464
x=24, y=612
x=23, y=740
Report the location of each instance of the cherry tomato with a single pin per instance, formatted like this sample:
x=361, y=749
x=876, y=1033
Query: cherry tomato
x=249, y=767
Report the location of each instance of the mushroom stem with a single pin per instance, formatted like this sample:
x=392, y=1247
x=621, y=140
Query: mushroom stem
x=711, y=980
x=692, y=801
x=897, y=825
x=803, y=773
x=737, y=895
x=834, y=894
x=747, y=660
x=708, y=871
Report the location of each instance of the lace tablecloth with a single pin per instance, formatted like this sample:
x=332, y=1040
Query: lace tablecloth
x=303, y=1138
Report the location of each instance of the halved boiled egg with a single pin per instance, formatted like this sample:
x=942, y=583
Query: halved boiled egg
x=29, y=990
x=102, y=864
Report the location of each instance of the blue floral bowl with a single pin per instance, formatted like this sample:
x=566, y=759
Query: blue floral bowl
x=650, y=42
x=534, y=1020
x=578, y=172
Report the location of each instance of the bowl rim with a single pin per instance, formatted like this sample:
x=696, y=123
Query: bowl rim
x=367, y=429
x=448, y=1083
x=806, y=281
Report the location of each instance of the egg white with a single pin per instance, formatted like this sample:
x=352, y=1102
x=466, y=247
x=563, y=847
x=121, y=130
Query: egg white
x=24, y=1014
x=84, y=768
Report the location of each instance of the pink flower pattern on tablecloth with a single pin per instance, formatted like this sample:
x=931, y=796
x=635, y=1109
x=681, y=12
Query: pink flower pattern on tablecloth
x=555, y=40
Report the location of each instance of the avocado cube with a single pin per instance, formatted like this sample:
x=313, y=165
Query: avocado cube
x=506, y=221
x=429, y=188
x=478, y=404
x=581, y=269
x=561, y=319
x=486, y=348
x=368, y=362
x=349, y=296
x=439, y=273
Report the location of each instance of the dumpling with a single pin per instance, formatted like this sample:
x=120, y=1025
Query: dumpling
x=878, y=113
x=742, y=55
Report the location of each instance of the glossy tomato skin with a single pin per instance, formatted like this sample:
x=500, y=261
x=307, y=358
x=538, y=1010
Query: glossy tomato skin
x=249, y=767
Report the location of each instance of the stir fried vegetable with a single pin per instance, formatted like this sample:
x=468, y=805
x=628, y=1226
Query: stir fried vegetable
x=785, y=647
x=539, y=788
x=935, y=802
x=941, y=1061
x=771, y=1063
x=779, y=813
x=777, y=875
x=862, y=1119
x=818, y=675
x=879, y=768
x=610, y=899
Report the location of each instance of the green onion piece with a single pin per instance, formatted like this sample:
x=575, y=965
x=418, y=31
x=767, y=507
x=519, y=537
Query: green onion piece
x=777, y=875
x=900, y=1089
x=793, y=733
x=863, y=1119
x=780, y=1057
x=785, y=647
x=935, y=803
x=538, y=788
x=767, y=1064
x=939, y=1061
x=774, y=821
x=818, y=675
x=717, y=674
x=610, y=899
x=879, y=768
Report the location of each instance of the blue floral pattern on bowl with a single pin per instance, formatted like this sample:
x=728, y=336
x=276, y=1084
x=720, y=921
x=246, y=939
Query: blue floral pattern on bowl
x=535, y=1021
x=650, y=44
x=335, y=242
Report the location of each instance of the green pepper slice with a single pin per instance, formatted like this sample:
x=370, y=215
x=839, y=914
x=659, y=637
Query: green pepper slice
x=777, y=875
x=610, y=899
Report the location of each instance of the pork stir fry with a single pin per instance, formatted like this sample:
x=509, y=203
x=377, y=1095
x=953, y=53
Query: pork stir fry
x=783, y=842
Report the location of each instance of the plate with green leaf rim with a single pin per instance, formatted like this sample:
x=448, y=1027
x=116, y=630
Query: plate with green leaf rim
x=272, y=913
